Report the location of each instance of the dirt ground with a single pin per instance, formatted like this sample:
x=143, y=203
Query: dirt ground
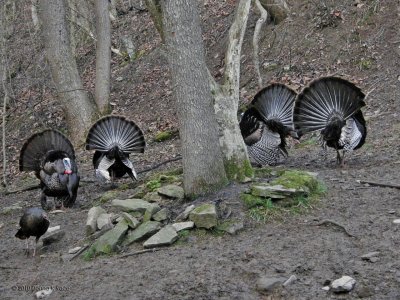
x=358, y=40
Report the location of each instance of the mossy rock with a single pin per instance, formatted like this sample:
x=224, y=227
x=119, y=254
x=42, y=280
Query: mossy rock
x=163, y=136
x=294, y=179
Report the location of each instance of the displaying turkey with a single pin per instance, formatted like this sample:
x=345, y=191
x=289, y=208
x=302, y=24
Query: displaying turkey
x=332, y=106
x=114, y=138
x=51, y=156
x=34, y=222
x=266, y=124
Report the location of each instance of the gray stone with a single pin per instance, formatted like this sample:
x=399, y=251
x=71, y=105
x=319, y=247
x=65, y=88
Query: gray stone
x=204, y=216
x=371, y=256
x=142, y=232
x=166, y=236
x=10, y=209
x=131, y=220
x=129, y=205
x=183, y=225
x=233, y=228
x=109, y=241
x=43, y=293
x=343, y=284
x=268, y=284
x=91, y=221
x=185, y=214
x=397, y=221
x=54, y=228
x=152, y=197
x=138, y=192
x=172, y=191
x=74, y=250
x=150, y=212
x=103, y=220
x=161, y=215
x=274, y=191
x=290, y=280
x=53, y=237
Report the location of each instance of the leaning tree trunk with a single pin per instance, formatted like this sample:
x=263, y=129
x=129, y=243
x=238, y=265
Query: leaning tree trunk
x=80, y=111
x=103, y=56
x=203, y=167
x=237, y=163
x=154, y=8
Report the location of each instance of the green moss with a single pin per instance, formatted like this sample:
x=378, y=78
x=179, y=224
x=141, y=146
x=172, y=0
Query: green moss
x=236, y=171
x=152, y=185
x=294, y=179
x=89, y=254
x=264, y=172
x=107, y=196
x=163, y=136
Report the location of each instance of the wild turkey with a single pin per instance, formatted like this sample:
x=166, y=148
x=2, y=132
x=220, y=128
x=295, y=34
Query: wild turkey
x=114, y=138
x=51, y=155
x=267, y=123
x=333, y=106
x=34, y=222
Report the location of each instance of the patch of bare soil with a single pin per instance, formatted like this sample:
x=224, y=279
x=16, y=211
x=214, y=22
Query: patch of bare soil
x=358, y=40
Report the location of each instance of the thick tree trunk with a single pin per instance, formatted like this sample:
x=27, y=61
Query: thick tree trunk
x=203, y=167
x=236, y=160
x=278, y=9
x=80, y=111
x=103, y=56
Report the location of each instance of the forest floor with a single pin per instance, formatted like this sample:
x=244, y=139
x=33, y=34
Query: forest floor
x=358, y=40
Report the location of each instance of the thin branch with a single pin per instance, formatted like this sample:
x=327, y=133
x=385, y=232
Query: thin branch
x=79, y=252
x=380, y=184
x=324, y=222
x=159, y=165
x=141, y=252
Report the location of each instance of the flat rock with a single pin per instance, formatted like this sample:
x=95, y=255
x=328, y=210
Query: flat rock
x=142, y=232
x=131, y=220
x=185, y=214
x=183, y=225
x=74, y=250
x=397, y=221
x=371, y=256
x=91, y=221
x=130, y=205
x=109, y=241
x=204, y=216
x=268, y=284
x=233, y=228
x=53, y=237
x=103, y=220
x=273, y=191
x=152, y=197
x=54, y=228
x=343, y=284
x=43, y=293
x=166, y=236
x=290, y=280
x=161, y=215
x=172, y=191
x=154, y=208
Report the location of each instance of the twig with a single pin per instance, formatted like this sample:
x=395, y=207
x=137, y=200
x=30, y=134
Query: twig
x=323, y=222
x=159, y=165
x=141, y=252
x=391, y=185
x=23, y=189
x=6, y=268
x=79, y=252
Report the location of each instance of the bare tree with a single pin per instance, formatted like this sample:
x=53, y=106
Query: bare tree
x=3, y=77
x=154, y=8
x=226, y=96
x=256, y=39
x=103, y=56
x=278, y=9
x=202, y=158
x=80, y=110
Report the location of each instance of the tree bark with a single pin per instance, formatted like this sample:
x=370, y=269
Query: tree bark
x=3, y=78
x=278, y=9
x=236, y=160
x=256, y=39
x=203, y=167
x=79, y=109
x=103, y=56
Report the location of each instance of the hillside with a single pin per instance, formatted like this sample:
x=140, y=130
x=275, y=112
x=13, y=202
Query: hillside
x=358, y=40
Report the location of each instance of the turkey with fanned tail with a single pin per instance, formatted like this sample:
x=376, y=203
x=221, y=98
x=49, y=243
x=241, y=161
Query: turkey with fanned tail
x=332, y=106
x=34, y=222
x=266, y=124
x=113, y=138
x=52, y=157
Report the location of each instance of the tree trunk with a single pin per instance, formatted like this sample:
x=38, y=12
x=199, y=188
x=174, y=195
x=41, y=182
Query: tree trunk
x=278, y=9
x=80, y=111
x=103, y=56
x=203, y=167
x=236, y=160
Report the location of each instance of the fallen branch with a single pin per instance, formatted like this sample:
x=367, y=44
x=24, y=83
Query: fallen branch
x=7, y=268
x=391, y=185
x=23, y=189
x=79, y=252
x=159, y=165
x=141, y=252
x=324, y=222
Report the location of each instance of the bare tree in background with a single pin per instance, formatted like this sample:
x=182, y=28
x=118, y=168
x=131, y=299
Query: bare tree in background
x=79, y=109
x=103, y=56
x=3, y=87
x=203, y=167
x=154, y=8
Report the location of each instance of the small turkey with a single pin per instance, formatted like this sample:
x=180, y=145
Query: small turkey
x=52, y=157
x=332, y=105
x=113, y=138
x=34, y=222
x=267, y=123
